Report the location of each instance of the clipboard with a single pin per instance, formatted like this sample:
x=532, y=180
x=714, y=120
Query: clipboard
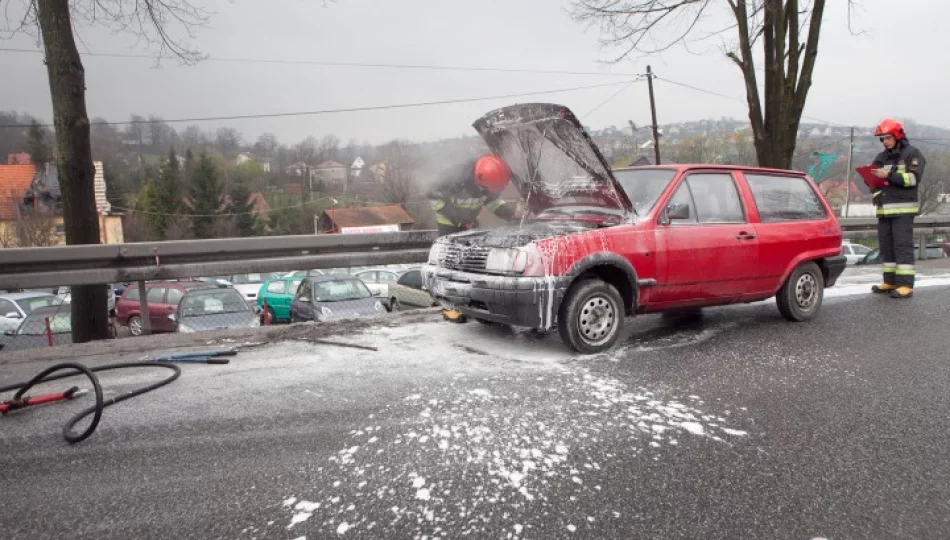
x=870, y=180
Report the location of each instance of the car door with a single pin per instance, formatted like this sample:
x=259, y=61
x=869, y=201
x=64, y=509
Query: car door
x=302, y=306
x=709, y=254
x=157, y=309
x=791, y=220
x=409, y=290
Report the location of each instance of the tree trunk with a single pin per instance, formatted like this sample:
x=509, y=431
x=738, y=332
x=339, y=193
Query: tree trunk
x=74, y=159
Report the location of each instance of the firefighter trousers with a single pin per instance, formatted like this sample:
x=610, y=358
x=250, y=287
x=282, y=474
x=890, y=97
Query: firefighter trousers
x=895, y=235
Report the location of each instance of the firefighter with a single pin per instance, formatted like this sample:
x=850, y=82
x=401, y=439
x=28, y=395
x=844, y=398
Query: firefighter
x=461, y=195
x=466, y=189
x=902, y=165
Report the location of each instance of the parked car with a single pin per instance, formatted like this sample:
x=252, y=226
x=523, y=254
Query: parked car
x=334, y=296
x=32, y=333
x=64, y=294
x=410, y=292
x=378, y=282
x=934, y=251
x=162, y=298
x=217, y=308
x=600, y=245
x=854, y=252
x=278, y=293
x=15, y=307
x=249, y=285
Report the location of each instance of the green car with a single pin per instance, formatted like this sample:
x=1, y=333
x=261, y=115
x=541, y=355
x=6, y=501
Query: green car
x=278, y=293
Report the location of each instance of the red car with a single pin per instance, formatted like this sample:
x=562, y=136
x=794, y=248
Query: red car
x=600, y=244
x=162, y=297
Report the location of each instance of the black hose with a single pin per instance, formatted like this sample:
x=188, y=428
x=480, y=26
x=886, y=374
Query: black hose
x=96, y=410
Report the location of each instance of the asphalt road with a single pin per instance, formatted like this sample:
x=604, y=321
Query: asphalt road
x=736, y=425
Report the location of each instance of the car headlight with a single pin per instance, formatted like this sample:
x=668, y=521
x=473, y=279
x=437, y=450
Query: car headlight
x=185, y=329
x=507, y=260
x=435, y=253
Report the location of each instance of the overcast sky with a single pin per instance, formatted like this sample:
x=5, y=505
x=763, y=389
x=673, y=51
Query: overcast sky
x=895, y=69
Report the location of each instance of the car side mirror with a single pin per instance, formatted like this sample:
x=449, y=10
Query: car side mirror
x=12, y=315
x=8, y=332
x=173, y=318
x=678, y=211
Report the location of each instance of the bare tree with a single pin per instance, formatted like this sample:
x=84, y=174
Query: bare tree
x=401, y=163
x=934, y=182
x=148, y=19
x=787, y=31
x=228, y=140
x=36, y=229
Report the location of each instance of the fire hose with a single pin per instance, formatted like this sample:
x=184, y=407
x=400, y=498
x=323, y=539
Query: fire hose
x=19, y=401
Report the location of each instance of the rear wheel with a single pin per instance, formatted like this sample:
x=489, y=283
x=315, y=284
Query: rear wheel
x=591, y=316
x=394, y=304
x=800, y=297
x=135, y=325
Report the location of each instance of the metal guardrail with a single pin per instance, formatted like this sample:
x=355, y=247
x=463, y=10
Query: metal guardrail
x=146, y=261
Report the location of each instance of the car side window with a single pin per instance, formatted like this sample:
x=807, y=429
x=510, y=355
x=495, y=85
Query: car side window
x=132, y=292
x=278, y=287
x=784, y=198
x=7, y=306
x=412, y=279
x=303, y=290
x=716, y=198
x=681, y=197
x=387, y=276
x=156, y=295
x=174, y=296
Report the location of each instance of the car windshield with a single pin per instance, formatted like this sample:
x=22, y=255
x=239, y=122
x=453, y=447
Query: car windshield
x=30, y=304
x=340, y=290
x=250, y=278
x=212, y=302
x=644, y=186
x=35, y=325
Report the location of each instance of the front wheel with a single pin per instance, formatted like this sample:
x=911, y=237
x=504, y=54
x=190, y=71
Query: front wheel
x=591, y=316
x=135, y=325
x=800, y=297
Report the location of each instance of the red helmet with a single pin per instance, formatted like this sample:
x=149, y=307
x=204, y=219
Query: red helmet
x=492, y=173
x=889, y=126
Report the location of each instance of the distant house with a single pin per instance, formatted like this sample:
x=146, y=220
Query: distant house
x=19, y=159
x=328, y=172
x=27, y=191
x=369, y=219
x=259, y=204
x=297, y=169
x=247, y=157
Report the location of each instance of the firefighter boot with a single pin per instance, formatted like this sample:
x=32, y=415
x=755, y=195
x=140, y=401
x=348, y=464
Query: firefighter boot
x=452, y=315
x=902, y=292
x=883, y=288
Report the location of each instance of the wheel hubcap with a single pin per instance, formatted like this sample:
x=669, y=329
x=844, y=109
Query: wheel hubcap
x=806, y=291
x=135, y=326
x=597, y=319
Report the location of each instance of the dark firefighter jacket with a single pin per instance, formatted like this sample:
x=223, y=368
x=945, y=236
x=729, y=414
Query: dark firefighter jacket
x=457, y=199
x=899, y=197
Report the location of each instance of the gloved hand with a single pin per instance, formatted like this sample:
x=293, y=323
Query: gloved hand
x=877, y=198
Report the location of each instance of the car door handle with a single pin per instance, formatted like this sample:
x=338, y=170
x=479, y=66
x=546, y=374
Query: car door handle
x=745, y=236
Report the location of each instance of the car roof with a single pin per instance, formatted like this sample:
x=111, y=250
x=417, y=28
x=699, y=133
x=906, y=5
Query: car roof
x=331, y=277
x=189, y=284
x=209, y=290
x=709, y=166
x=24, y=295
x=51, y=310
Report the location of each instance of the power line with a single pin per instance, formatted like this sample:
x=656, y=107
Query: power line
x=344, y=110
x=611, y=98
x=435, y=67
x=733, y=98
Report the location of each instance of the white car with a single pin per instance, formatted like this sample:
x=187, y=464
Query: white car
x=854, y=252
x=14, y=308
x=249, y=285
x=378, y=281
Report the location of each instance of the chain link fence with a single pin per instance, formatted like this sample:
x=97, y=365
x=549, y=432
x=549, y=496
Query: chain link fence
x=43, y=318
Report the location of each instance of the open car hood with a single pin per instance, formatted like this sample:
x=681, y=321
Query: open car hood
x=552, y=159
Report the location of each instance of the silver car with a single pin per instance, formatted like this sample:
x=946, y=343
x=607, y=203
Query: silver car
x=201, y=310
x=15, y=307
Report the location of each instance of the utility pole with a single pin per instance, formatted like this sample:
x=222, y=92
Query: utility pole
x=656, y=134
x=847, y=192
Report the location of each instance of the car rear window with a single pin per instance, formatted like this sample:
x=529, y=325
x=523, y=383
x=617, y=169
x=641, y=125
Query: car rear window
x=784, y=198
x=30, y=304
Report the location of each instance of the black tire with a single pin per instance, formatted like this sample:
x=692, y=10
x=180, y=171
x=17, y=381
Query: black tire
x=591, y=316
x=394, y=304
x=135, y=325
x=486, y=322
x=800, y=297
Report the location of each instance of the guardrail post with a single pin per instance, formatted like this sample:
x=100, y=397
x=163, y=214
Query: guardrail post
x=922, y=242
x=265, y=315
x=143, y=309
x=49, y=332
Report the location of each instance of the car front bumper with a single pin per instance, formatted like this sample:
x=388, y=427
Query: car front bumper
x=531, y=302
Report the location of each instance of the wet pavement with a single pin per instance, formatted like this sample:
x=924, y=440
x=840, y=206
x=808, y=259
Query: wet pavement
x=736, y=424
